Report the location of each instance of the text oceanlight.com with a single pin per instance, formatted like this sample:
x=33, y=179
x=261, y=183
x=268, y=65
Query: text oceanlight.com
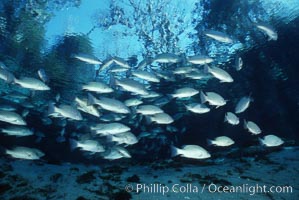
x=211, y=188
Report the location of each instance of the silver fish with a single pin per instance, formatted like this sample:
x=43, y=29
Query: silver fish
x=83, y=106
x=92, y=146
x=271, y=141
x=25, y=153
x=213, y=98
x=183, y=70
x=197, y=108
x=222, y=141
x=42, y=75
x=117, y=152
x=63, y=110
x=133, y=102
x=110, y=128
x=238, y=63
x=106, y=64
x=148, y=110
x=126, y=138
x=97, y=87
x=167, y=58
x=252, y=127
x=184, y=92
x=144, y=63
x=31, y=83
x=132, y=86
x=118, y=69
x=200, y=59
x=112, y=117
x=231, y=118
x=243, y=104
x=89, y=59
x=121, y=62
x=151, y=94
x=220, y=74
x=7, y=108
x=12, y=118
x=219, y=36
x=161, y=118
x=145, y=75
x=18, y=131
x=109, y=104
x=190, y=151
x=196, y=75
x=268, y=30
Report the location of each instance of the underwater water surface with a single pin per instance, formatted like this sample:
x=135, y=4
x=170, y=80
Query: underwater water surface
x=144, y=99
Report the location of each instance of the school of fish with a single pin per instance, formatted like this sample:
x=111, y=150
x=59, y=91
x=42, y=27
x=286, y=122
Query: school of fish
x=111, y=119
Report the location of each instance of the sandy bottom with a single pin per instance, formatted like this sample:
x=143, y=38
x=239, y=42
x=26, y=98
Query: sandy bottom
x=273, y=176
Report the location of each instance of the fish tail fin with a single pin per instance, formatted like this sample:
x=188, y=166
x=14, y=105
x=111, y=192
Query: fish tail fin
x=186, y=106
x=25, y=112
x=225, y=118
x=10, y=78
x=73, y=144
x=97, y=72
x=9, y=152
x=148, y=120
x=57, y=97
x=210, y=142
x=245, y=124
x=174, y=151
x=112, y=81
x=129, y=73
x=202, y=97
x=91, y=99
x=51, y=108
x=261, y=141
x=133, y=111
x=206, y=69
x=15, y=80
x=110, y=138
x=170, y=96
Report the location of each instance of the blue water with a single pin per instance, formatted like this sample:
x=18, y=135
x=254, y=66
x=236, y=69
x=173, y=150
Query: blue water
x=49, y=35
